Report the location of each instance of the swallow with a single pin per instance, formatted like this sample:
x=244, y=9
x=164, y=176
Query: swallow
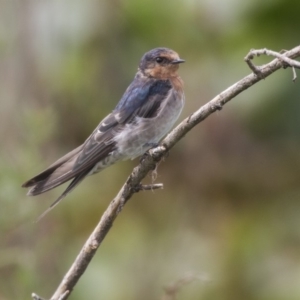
x=145, y=114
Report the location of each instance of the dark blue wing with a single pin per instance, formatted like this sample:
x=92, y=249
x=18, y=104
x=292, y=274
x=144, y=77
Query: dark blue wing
x=142, y=98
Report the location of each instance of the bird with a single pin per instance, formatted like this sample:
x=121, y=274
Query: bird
x=145, y=114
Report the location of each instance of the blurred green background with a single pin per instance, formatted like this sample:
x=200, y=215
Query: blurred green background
x=230, y=209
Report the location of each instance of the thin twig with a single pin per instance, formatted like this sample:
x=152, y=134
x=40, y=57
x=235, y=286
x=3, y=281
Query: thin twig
x=155, y=155
x=294, y=74
x=286, y=61
x=174, y=288
x=36, y=297
x=149, y=187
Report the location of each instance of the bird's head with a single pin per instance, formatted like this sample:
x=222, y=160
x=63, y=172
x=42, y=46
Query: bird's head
x=161, y=63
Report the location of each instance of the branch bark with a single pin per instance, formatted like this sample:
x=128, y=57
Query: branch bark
x=133, y=185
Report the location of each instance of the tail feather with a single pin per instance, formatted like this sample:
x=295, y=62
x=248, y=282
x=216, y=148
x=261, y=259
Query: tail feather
x=70, y=187
x=57, y=174
x=40, y=177
x=54, y=179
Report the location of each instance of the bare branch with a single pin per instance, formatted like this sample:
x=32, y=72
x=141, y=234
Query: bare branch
x=132, y=185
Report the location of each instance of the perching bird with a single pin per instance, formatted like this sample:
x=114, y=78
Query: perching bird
x=146, y=112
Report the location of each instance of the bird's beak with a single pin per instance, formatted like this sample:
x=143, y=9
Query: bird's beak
x=177, y=61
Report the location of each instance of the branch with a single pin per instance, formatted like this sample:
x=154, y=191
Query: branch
x=287, y=62
x=36, y=297
x=132, y=185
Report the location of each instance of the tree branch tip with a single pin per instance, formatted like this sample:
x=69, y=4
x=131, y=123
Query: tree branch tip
x=294, y=74
x=36, y=297
x=247, y=57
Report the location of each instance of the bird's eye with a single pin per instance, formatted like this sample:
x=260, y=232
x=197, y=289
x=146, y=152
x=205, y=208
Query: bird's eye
x=159, y=59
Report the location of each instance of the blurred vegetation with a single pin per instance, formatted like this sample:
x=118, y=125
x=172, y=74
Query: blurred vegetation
x=230, y=208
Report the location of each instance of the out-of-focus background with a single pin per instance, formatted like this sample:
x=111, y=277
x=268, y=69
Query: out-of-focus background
x=230, y=209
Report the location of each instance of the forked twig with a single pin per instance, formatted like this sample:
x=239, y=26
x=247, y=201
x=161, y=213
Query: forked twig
x=286, y=61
